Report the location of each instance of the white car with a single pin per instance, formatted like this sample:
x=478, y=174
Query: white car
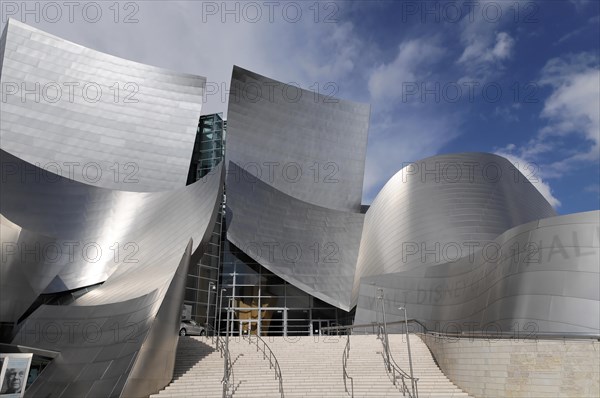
x=190, y=327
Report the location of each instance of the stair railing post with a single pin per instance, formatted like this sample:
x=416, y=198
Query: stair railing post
x=385, y=335
x=412, y=379
x=220, y=309
x=211, y=287
x=229, y=311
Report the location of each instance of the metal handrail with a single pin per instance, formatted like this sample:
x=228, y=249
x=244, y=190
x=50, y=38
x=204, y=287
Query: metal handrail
x=372, y=325
x=228, y=379
x=391, y=365
x=474, y=334
x=393, y=368
x=210, y=328
x=273, y=362
x=345, y=357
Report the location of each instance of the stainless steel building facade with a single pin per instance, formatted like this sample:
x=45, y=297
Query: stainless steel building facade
x=103, y=241
x=295, y=164
x=98, y=225
x=466, y=243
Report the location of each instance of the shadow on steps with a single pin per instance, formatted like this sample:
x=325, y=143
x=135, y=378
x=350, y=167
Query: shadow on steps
x=189, y=352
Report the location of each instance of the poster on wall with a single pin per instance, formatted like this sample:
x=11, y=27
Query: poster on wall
x=13, y=376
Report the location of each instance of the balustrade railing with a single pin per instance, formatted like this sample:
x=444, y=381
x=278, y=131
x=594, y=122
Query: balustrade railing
x=261, y=345
x=345, y=357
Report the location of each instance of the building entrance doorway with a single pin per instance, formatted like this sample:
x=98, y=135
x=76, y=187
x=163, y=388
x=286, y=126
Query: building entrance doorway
x=248, y=327
x=260, y=321
x=318, y=325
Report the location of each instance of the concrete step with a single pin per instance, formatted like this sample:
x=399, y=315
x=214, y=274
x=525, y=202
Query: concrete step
x=311, y=367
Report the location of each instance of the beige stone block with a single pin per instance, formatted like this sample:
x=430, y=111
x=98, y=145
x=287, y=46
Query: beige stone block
x=496, y=374
x=495, y=384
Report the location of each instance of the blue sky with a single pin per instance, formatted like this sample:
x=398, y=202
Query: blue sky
x=518, y=78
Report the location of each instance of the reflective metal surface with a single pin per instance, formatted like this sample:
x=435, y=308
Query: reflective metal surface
x=307, y=145
x=93, y=117
x=294, y=182
x=540, y=277
x=121, y=336
x=312, y=247
x=67, y=231
x=443, y=208
x=93, y=195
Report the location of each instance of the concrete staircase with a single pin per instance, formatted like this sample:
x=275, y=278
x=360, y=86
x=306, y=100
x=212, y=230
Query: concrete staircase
x=432, y=381
x=199, y=371
x=311, y=367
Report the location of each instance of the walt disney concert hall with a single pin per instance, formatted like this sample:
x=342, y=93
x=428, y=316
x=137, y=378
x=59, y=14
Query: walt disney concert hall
x=124, y=209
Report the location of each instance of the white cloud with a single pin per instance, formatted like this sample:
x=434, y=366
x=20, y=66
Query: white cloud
x=507, y=113
x=484, y=51
x=487, y=44
x=573, y=108
x=503, y=48
x=414, y=58
x=572, y=112
x=403, y=132
x=531, y=171
x=404, y=138
x=571, y=34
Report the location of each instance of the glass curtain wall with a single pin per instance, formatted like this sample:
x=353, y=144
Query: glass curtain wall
x=265, y=304
x=200, y=300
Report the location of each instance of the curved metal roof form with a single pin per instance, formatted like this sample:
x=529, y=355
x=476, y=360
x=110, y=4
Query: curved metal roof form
x=307, y=145
x=123, y=334
x=294, y=182
x=467, y=244
x=122, y=236
x=540, y=277
x=445, y=206
x=93, y=117
x=312, y=247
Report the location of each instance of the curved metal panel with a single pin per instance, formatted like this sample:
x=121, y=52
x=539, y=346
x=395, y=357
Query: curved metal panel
x=95, y=118
x=311, y=147
x=445, y=207
x=20, y=274
x=540, y=277
x=78, y=235
x=294, y=184
x=106, y=336
x=312, y=247
x=64, y=231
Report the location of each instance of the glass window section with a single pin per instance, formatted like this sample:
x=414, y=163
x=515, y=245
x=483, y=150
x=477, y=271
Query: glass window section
x=194, y=269
x=271, y=279
x=297, y=301
x=275, y=290
x=291, y=290
x=243, y=268
x=209, y=273
x=227, y=279
x=191, y=282
x=247, y=291
x=228, y=268
x=209, y=261
x=247, y=279
x=190, y=295
x=328, y=313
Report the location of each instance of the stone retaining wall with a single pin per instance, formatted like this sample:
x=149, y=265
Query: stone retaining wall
x=520, y=368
